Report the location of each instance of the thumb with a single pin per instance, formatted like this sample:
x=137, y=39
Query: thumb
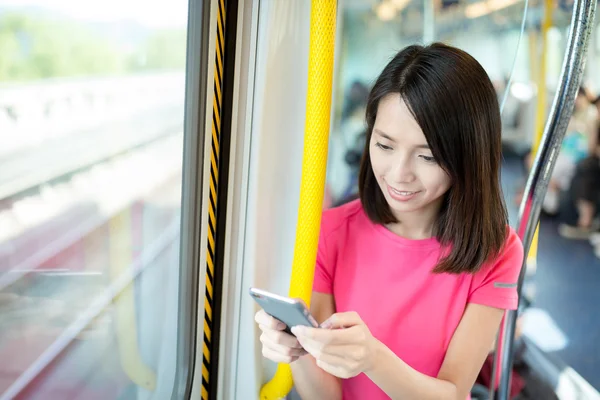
x=342, y=320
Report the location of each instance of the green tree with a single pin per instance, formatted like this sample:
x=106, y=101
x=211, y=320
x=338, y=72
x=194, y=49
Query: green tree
x=42, y=47
x=39, y=48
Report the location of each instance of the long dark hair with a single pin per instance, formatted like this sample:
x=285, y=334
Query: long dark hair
x=454, y=102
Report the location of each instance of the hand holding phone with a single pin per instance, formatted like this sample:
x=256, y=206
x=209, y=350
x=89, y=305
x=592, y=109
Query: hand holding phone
x=275, y=319
x=291, y=312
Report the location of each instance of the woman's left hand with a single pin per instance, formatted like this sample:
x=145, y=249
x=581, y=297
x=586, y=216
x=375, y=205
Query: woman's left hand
x=343, y=346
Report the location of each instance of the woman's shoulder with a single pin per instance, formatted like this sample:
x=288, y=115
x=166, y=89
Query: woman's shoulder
x=495, y=285
x=510, y=257
x=512, y=243
x=344, y=216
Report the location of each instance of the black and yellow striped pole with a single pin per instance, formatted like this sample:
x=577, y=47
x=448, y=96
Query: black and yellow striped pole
x=212, y=204
x=219, y=166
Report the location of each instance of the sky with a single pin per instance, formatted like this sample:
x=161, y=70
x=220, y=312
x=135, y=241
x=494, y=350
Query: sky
x=151, y=13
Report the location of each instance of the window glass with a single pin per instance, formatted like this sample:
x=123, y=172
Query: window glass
x=91, y=142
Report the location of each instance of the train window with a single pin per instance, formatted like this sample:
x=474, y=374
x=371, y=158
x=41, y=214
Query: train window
x=91, y=144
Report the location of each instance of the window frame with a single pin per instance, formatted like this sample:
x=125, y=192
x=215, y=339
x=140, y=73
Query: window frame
x=191, y=250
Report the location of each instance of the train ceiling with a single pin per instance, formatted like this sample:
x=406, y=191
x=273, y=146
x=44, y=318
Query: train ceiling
x=458, y=15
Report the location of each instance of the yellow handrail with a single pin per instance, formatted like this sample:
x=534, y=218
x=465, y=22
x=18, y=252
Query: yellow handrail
x=314, y=165
x=540, y=119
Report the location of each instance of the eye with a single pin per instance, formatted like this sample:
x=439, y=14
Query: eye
x=383, y=146
x=428, y=159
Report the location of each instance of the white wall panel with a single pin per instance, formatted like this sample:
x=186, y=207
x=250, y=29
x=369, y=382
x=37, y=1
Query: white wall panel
x=277, y=133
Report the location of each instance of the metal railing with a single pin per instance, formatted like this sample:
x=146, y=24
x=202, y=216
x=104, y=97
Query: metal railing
x=572, y=71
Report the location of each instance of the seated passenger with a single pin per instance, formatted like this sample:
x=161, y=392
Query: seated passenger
x=413, y=278
x=582, y=200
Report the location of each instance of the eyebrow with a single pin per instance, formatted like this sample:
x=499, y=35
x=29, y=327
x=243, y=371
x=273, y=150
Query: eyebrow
x=383, y=135
x=388, y=137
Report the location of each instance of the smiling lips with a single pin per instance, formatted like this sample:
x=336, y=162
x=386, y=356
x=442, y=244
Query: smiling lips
x=401, y=195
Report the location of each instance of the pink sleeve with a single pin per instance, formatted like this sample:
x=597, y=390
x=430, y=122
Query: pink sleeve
x=496, y=285
x=323, y=281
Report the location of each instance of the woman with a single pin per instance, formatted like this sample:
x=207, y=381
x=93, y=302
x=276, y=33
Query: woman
x=413, y=278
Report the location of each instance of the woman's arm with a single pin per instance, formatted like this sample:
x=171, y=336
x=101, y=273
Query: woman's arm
x=310, y=381
x=466, y=354
x=349, y=349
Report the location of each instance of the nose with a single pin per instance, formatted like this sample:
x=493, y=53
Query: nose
x=402, y=170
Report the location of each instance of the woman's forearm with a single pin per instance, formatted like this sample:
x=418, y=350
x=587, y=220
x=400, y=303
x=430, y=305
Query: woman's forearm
x=312, y=382
x=400, y=381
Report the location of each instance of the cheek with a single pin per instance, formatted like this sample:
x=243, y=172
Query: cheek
x=437, y=180
x=377, y=165
x=446, y=183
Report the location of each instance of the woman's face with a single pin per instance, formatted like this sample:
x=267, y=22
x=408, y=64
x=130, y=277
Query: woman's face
x=408, y=175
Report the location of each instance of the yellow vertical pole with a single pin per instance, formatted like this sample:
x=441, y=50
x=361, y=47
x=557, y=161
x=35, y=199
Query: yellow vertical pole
x=534, y=66
x=314, y=165
x=540, y=112
x=541, y=78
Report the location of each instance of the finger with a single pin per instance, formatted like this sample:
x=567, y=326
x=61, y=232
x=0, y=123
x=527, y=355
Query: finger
x=342, y=320
x=312, y=347
x=337, y=361
x=277, y=357
x=343, y=352
x=281, y=338
x=319, y=350
x=283, y=350
x=329, y=358
x=348, y=353
x=262, y=318
x=331, y=336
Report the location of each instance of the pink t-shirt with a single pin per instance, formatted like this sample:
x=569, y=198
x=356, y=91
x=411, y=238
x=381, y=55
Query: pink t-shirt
x=387, y=280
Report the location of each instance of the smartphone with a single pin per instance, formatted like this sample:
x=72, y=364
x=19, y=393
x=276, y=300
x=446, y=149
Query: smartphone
x=289, y=311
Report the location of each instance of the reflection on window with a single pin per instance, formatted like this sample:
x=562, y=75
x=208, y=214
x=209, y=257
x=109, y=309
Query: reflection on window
x=91, y=125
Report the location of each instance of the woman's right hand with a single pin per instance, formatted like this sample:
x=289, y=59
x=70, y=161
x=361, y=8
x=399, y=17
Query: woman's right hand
x=277, y=345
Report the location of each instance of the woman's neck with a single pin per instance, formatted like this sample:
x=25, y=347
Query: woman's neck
x=415, y=226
